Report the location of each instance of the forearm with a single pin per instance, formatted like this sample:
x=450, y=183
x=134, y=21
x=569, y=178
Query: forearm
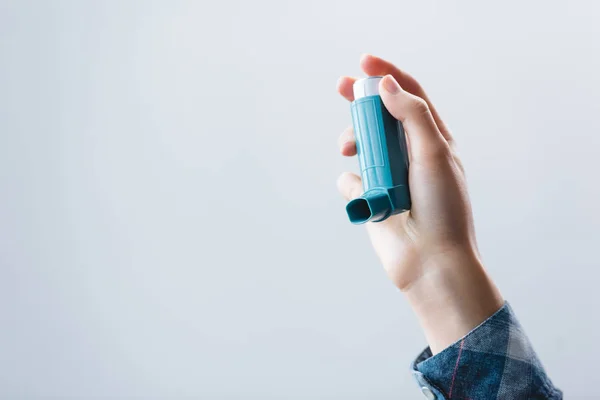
x=453, y=296
x=478, y=349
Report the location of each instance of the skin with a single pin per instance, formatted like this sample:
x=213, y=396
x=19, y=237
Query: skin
x=430, y=252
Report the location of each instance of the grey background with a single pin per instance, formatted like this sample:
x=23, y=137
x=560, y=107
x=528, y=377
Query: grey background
x=169, y=222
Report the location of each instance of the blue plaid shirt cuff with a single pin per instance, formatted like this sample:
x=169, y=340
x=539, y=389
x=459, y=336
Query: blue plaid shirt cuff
x=493, y=361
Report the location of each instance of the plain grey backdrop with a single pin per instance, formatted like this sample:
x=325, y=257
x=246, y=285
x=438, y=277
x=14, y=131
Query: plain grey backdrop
x=169, y=221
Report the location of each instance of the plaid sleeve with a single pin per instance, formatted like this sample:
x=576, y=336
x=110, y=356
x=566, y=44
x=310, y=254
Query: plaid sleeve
x=494, y=361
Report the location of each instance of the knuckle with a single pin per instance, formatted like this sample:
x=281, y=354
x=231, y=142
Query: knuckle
x=458, y=162
x=419, y=106
x=440, y=152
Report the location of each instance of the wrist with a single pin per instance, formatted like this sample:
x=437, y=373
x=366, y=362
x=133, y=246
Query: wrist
x=452, y=295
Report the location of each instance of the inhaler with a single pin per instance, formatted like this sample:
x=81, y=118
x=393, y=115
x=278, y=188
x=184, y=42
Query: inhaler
x=382, y=156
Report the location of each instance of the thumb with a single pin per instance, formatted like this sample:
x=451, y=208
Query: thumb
x=349, y=185
x=426, y=142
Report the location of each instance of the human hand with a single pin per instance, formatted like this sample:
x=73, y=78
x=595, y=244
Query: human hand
x=432, y=247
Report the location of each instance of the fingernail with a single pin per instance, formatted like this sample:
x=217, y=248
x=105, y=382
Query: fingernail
x=390, y=84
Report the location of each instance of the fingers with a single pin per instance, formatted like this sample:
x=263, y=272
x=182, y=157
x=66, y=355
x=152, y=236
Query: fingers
x=375, y=66
x=426, y=141
x=347, y=142
x=344, y=87
x=349, y=185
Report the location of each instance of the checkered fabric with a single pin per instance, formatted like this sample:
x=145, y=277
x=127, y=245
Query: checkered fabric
x=494, y=361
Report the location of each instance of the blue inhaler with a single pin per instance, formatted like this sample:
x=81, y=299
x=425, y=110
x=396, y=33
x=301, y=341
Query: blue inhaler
x=382, y=156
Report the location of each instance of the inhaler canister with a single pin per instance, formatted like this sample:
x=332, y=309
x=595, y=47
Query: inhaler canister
x=382, y=156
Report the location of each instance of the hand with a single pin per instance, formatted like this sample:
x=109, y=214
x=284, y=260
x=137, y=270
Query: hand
x=440, y=220
x=431, y=248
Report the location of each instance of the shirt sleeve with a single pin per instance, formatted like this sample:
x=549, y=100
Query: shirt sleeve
x=493, y=361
